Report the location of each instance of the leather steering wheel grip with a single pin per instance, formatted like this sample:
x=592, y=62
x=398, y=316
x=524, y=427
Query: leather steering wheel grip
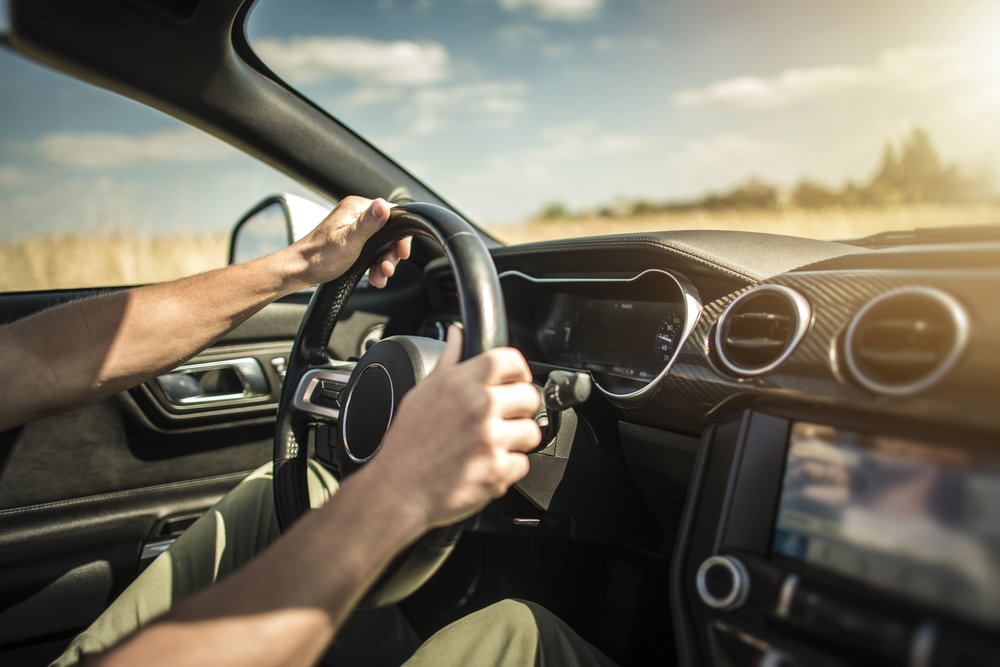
x=485, y=322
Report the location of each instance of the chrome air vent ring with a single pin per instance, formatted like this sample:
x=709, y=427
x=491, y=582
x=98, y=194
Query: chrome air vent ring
x=798, y=314
x=916, y=331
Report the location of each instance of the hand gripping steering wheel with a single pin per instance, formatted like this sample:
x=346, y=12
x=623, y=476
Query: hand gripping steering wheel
x=381, y=377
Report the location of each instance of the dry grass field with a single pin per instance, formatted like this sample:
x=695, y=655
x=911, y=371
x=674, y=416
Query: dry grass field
x=94, y=261
x=831, y=223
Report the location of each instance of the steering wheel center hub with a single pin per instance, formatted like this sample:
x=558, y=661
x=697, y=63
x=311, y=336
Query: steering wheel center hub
x=367, y=412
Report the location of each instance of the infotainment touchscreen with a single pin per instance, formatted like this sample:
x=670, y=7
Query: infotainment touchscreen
x=907, y=516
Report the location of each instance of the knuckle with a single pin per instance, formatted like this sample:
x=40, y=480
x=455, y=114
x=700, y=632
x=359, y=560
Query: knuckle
x=492, y=402
x=491, y=361
x=485, y=434
x=452, y=383
x=530, y=395
x=481, y=403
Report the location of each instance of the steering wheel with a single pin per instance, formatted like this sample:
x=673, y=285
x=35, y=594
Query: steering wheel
x=380, y=379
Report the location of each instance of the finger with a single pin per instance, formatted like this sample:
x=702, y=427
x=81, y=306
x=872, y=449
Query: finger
x=388, y=263
x=353, y=205
x=500, y=365
x=376, y=278
x=391, y=259
x=403, y=247
x=519, y=435
x=383, y=269
x=514, y=401
x=515, y=468
x=372, y=218
x=452, y=353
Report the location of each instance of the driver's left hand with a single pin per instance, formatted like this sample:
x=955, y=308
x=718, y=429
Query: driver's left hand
x=332, y=247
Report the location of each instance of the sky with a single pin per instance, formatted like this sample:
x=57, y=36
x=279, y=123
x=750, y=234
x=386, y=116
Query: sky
x=503, y=106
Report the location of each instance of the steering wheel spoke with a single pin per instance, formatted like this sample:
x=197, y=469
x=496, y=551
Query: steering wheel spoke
x=322, y=392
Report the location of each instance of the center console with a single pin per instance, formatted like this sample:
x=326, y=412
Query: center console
x=814, y=540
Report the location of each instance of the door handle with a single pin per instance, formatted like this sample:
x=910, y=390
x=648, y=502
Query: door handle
x=215, y=382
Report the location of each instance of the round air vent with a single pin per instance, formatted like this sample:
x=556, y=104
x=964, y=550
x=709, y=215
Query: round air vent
x=906, y=340
x=761, y=328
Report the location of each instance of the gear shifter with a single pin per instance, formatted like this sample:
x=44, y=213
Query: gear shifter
x=562, y=390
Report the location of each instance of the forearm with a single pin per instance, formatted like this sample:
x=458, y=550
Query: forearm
x=86, y=350
x=285, y=607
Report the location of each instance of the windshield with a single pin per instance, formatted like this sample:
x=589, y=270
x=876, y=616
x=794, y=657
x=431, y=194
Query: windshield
x=543, y=119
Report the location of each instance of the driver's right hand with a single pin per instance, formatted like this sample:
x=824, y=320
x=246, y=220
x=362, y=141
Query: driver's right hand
x=460, y=437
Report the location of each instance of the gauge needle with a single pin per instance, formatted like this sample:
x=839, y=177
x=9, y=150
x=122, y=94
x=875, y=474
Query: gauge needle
x=666, y=338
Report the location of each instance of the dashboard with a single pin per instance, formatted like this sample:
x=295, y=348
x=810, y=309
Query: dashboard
x=813, y=425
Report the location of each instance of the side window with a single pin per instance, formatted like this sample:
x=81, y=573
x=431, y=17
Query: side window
x=97, y=190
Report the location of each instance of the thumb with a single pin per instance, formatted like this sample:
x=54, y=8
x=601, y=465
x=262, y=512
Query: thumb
x=452, y=353
x=372, y=218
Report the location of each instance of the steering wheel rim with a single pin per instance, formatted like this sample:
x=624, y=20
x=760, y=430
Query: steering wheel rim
x=485, y=322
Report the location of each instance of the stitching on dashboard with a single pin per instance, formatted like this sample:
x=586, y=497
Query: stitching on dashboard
x=647, y=242
x=123, y=494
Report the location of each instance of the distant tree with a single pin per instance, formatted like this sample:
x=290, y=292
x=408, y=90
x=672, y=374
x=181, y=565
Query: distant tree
x=809, y=194
x=644, y=207
x=554, y=211
x=917, y=176
x=910, y=173
x=754, y=194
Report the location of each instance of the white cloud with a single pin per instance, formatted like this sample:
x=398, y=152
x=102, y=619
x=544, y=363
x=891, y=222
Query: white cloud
x=557, y=166
x=527, y=37
x=487, y=103
x=311, y=59
x=12, y=177
x=95, y=150
x=519, y=36
x=366, y=96
x=725, y=150
x=559, y=149
x=605, y=43
x=579, y=140
x=557, y=10
x=910, y=68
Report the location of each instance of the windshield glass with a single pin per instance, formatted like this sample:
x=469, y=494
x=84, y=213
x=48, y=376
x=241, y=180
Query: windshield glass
x=544, y=119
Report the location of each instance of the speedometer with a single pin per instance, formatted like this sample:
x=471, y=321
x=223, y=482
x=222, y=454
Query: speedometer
x=669, y=334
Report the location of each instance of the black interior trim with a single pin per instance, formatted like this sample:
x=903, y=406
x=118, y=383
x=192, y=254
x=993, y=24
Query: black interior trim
x=38, y=531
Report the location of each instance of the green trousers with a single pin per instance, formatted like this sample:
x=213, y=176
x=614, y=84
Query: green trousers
x=241, y=525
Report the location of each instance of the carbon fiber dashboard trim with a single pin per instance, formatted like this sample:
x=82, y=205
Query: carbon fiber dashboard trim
x=698, y=392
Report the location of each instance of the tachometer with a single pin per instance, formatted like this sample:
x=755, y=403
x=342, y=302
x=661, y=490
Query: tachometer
x=668, y=335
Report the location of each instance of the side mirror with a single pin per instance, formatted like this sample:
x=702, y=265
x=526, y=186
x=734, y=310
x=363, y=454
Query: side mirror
x=273, y=224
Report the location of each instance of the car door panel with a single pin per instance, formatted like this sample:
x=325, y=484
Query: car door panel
x=61, y=563
x=83, y=493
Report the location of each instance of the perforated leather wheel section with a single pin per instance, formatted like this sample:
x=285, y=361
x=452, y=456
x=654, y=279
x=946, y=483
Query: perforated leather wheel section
x=369, y=397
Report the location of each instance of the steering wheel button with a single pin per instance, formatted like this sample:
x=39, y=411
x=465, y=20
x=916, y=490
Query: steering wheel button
x=326, y=394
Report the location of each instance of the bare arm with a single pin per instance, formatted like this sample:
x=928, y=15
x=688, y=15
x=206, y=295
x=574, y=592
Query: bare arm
x=86, y=350
x=458, y=441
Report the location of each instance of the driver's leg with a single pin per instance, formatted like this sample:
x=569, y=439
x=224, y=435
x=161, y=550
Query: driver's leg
x=512, y=633
x=236, y=529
